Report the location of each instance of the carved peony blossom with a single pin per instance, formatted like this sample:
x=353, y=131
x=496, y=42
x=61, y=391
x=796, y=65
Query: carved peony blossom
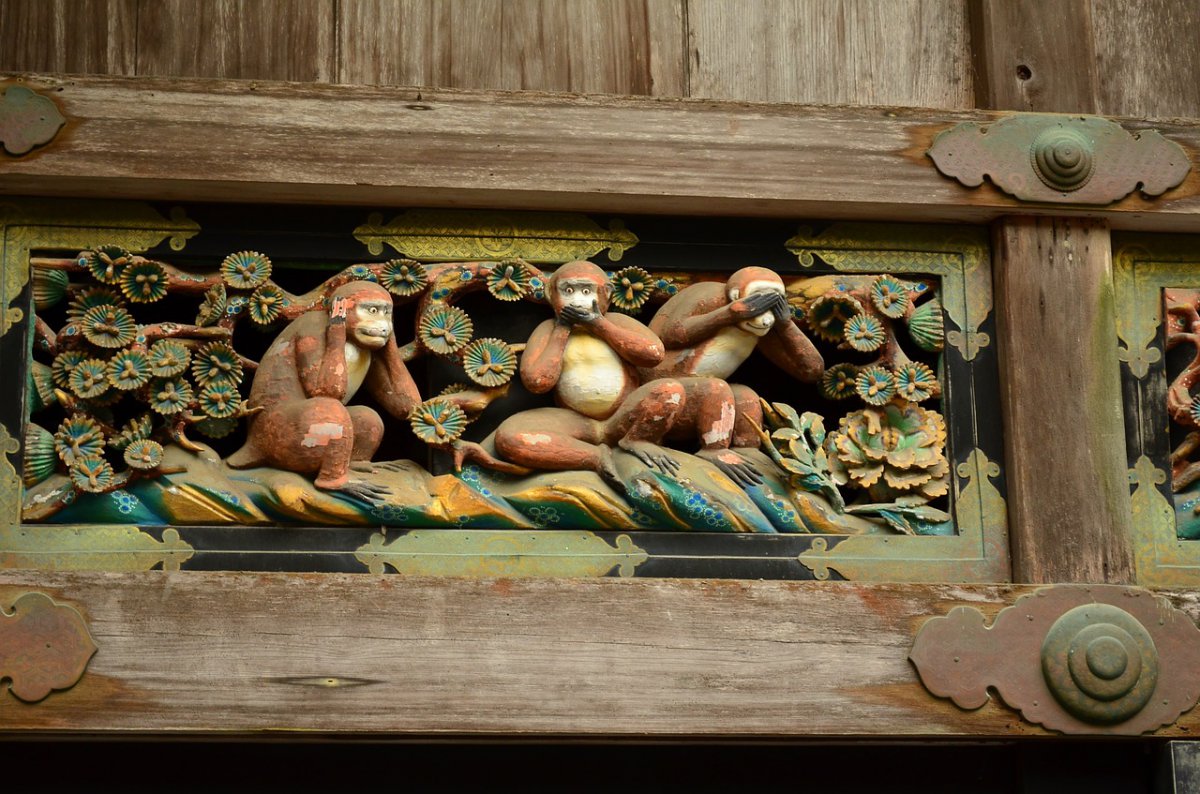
x=895, y=450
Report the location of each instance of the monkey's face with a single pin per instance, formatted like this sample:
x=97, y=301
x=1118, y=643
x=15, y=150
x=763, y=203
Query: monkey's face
x=763, y=323
x=370, y=323
x=583, y=295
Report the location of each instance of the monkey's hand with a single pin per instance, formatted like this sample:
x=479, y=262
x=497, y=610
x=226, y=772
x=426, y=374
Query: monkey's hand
x=654, y=456
x=754, y=304
x=574, y=315
x=782, y=310
x=337, y=312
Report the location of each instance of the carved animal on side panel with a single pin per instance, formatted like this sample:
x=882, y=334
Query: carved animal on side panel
x=710, y=329
x=313, y=368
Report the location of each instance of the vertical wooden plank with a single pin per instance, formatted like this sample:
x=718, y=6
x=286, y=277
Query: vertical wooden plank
x=594, y=46
x=251, y=39
x=446, y=43
x=1148, y=58
x=1069, y=514
x=904, y=52
x=72, y=36
x=1035, y=56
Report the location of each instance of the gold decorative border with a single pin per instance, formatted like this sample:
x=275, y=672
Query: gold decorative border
x=25, y=226
x=1144, y=265
x=961, y=257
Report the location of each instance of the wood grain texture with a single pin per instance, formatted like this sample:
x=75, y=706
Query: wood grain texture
x=585, y=46
x=903, y=52
x=249, y=39
x=1069, y=512
x=1146, y=57
x=448, y=43
x=1034, y=56
x=71, y=36
x=242, y=653
x=204, y=140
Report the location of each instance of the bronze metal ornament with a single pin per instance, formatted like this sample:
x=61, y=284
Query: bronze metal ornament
x=27, y=120
x=1060, y=159
x=1077, y=659
x=44, y=646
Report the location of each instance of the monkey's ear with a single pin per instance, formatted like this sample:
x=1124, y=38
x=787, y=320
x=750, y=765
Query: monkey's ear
x=734, y=293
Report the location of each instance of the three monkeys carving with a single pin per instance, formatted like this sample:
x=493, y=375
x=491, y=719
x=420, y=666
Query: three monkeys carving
x=616, y=382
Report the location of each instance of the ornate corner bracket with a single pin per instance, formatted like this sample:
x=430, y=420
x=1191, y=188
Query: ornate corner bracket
x=27, y=119
x=43, y=646
x=1060, y=159
x=1077, y=659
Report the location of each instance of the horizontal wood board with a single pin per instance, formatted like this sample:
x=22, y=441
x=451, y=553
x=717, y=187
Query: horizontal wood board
x=328, y=653
x=273, y=142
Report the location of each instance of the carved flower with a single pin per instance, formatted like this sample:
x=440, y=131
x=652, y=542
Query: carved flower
x=107, y=262
x=136, y=429
x=91, y=474
x=170, y=395
x=895, y=450
x=838, y=382
x=864, y=333
x=168, y=358
x=90, y=298
x=915, y=381
x=128, y=370
x=489, y=362
x=828, y=314
x=220, y=400
x=63, y=365
x=213, y=307
x=437, y=421
x=217, y=362
x=890, y=296
x=404, y=277
x=144, y=282
x=361, y=273
x=266, y=304
x=144, y=454
x=108, y=326
x=631, y=288
x=925, y=326
x=40, y=457
x=49, y=287
x=78, y=437
x=445, y=330
x=89, y=378
x=875, y=384
x=245, y=269
x=508, y=280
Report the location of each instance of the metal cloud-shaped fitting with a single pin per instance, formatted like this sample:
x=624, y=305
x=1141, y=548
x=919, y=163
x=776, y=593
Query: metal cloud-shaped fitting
x=1063, y=158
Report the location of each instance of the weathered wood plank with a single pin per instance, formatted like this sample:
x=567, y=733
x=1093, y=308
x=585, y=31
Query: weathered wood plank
x=263, y=40
x=1147, y=56
x=594, y=46
x=1034, y=56
x=606, y=657
x=909, y=53
x=1069, y=514
x=448, y=43
x=232, y=141
x=72, y=36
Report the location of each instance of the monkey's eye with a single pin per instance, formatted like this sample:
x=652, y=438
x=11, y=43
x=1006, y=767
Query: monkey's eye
x=587, y=291
x=570, y=290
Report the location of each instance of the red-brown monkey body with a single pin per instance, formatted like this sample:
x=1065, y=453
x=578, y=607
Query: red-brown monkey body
x=312, y=369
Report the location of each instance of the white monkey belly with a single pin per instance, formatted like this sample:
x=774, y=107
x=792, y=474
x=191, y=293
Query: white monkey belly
x=593, y=376
x=358, y=362
x=720, y=356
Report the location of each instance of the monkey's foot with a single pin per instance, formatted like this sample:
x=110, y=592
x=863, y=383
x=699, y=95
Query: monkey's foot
x=654, y=456
x=363, y=491
x=464, y=451
x=606, y=467
x=734, y=466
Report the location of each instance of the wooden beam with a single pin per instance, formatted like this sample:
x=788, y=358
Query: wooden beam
x=201, y=140
x=1069, y=513
x=404, y=656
